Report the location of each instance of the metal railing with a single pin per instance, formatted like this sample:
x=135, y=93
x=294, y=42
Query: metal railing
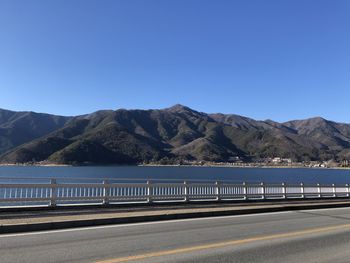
x=52, y=193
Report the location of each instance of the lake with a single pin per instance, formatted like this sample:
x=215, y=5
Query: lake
x=252, y=175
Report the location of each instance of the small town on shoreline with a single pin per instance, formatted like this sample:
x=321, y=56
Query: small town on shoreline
x=277, y=162
x=273, y=162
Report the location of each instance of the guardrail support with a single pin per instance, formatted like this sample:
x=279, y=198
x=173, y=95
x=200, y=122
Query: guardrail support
x=105, y=192
x=302, y=190
x=334, y=191
x=149, y=192
x=319, y=190
x=217, y=191
x=347, y=190
x=186, y=191
x=245, y=196
x=262, y=191
x=53, y=196
x=284, y=191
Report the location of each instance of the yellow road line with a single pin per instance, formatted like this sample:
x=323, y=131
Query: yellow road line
x=224, y=244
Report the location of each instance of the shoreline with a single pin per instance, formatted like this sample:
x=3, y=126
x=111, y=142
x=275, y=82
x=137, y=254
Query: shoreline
x=35, y=165
x=178, y=165
x=246, y=167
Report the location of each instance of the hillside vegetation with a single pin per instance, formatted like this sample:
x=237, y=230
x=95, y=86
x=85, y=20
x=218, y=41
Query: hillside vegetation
x=173, y=134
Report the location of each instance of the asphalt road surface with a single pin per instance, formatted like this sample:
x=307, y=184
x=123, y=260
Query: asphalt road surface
x=298, y=236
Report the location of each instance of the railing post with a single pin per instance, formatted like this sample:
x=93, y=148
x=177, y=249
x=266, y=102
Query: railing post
x=334, y=191
x=302, y=190
x=319, y=190
x=347, y=190
x=217, y=191
x=284, y=191
x=262, y=191
x=105, y=192
x=53, y=197
x=149, y=192
x=245, y=197
x=186, y=191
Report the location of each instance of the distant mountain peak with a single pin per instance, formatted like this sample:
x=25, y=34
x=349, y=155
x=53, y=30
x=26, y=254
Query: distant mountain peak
x=318, y=118
x=312, y=119
x=310, y=122
x=179, y=108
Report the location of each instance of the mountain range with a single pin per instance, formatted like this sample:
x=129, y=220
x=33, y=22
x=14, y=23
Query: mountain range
x=170, y=135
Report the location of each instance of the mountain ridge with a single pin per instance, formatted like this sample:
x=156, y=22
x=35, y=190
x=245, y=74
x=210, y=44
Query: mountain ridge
x=178, y=134
x=19, y=127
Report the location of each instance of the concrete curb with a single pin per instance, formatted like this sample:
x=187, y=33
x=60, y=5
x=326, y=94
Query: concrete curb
x=20, y=228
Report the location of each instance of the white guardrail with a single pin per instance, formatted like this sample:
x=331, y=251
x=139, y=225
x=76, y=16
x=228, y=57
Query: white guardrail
x=53, y=193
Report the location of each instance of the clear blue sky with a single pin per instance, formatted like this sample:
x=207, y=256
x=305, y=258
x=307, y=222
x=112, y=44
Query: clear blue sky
x=276, y=59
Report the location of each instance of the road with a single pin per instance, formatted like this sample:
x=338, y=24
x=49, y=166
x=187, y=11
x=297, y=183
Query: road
x=297, y=236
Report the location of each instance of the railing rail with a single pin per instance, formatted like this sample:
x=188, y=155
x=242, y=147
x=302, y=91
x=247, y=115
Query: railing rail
x=52, y=193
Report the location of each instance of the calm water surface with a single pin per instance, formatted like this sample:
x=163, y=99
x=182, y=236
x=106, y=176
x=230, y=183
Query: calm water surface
x=267, y=175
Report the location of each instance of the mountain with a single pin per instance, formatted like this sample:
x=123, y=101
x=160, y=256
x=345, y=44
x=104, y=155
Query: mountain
x=179, y=133
x=17, y=128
